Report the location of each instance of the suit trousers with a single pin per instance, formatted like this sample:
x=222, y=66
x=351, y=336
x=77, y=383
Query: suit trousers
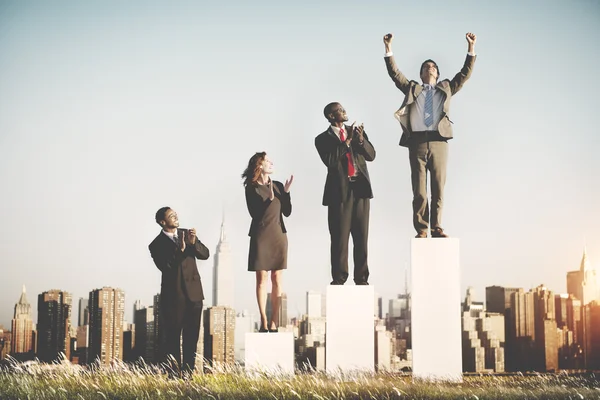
x=349, y=217
x=429, y=156
x=181, y=318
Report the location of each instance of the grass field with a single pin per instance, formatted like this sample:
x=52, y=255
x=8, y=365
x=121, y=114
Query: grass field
x=67, y=381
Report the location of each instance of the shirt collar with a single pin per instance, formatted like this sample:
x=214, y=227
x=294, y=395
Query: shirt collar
x=336, y=130
x=169, y=234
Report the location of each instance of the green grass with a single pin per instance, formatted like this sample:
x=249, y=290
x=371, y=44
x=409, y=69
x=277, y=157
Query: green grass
x=67, y=381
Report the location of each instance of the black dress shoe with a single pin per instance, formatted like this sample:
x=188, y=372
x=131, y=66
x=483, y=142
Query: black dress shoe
x=362, y=283
x=274, y=330
x=263, y=330
x=438, y=233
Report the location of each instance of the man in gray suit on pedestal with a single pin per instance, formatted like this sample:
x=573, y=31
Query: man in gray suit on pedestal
x=426, y=129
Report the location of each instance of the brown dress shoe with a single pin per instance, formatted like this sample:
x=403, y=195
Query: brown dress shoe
x=421, y=235
x=438, y=233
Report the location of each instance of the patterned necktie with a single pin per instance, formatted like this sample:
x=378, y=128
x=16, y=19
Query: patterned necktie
x=348, y=155
x=428, y=106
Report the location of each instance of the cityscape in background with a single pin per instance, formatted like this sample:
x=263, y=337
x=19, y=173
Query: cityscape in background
x=512, y=330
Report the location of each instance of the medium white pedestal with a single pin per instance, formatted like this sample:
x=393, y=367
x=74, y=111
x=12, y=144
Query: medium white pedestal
x=270, y=352
x=435, y=298
x=350, y=331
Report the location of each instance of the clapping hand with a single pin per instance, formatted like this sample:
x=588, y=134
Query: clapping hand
x=358, y=132
x=288, y=184
x=182, y=244
x=192, y=236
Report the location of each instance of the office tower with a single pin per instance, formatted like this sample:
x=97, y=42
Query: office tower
x=546, y=333
x=83, y=315
x=83, y=333
x=146, y=336
x=53, y=326
x=219, y=336
x=22, y=329
x=497, y=300
x=482, y=337
x=283, y=309
x=244, y=323
x=384, y=349
x=223, y=285
x=379, y=308
x=593, y=347
x=313, y=304
x=106, y=306
x=129, y=350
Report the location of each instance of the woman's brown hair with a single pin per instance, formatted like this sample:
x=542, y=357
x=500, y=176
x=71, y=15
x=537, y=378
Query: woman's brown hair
x=253, y=171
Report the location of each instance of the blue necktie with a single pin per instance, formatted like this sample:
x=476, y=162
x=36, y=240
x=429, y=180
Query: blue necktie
x=428, y=106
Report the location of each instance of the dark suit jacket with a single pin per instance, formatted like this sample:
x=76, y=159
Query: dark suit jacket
x=412, y=90
x=180, y=277
x=333, y=154
x=257, y=205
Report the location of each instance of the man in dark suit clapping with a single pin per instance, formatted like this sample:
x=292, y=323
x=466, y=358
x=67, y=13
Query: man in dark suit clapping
x=174, y=252
x=344, y=149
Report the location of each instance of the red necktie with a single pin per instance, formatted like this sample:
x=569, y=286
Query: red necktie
x=348, y=155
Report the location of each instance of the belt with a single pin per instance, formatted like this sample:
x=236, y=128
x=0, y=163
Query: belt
x=353, y=178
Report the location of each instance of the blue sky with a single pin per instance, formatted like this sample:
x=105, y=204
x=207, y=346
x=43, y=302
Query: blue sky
x=110, y=110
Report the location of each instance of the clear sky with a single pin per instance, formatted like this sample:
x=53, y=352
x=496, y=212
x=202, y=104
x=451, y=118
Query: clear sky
x=110, y=110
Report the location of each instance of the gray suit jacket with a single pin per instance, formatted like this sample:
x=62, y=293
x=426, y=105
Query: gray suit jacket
x=412, y=89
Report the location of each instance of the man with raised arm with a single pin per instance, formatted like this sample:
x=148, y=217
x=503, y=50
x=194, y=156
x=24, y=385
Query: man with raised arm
x=426, y=129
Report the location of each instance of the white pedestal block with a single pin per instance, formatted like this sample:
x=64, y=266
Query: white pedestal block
x=350, y=331
x=270, y=352
x=435, y=309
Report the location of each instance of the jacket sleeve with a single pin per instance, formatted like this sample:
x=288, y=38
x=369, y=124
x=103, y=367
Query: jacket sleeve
x=329, y=151
x=199, y=250
x=166, y=259
x=465, y=73
x=285, y=199
x=398, y=77
x=366, y=149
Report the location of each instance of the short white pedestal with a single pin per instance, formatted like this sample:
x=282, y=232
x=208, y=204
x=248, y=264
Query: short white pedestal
x=435, y=298
x=270, y=352
x=350, y=331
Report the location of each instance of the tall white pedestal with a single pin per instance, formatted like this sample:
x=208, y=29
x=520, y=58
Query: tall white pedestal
x=350, y=331
x=270, y=352
x=435, y=309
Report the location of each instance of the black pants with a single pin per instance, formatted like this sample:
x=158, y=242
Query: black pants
x=181, y=318
x=349, y=217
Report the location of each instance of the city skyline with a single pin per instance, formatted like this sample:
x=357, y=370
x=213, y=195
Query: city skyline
x=111, y=110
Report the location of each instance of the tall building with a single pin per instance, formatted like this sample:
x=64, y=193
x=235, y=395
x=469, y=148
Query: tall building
x=244, y=323
x=146, y=335
x=107, y=306
x=283, y=309
x=54, y=324
x=583, y=283
x=482, y=337
x=4, y=343
x=593, y=349
x=223, y=286
x=22, y=329
x=219, y=336
x=83, y=316
x=546, y=333
x=522, y=333
x=497, y=300
x=313, y=304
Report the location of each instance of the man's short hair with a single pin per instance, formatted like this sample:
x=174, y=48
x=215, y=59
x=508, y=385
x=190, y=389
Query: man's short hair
x=329, y=109
x=434, y=63
x=160, y=214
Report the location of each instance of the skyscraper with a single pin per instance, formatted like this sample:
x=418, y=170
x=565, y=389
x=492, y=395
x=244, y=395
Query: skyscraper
x=22, y=329
x=54, y=324
x=107, y=306
x=146, y=336
x=283, y=309
x=546, y=335
x=223, y=294
x=582, y=283
x=219, y=338
x=83, y=318
x=313, y=304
